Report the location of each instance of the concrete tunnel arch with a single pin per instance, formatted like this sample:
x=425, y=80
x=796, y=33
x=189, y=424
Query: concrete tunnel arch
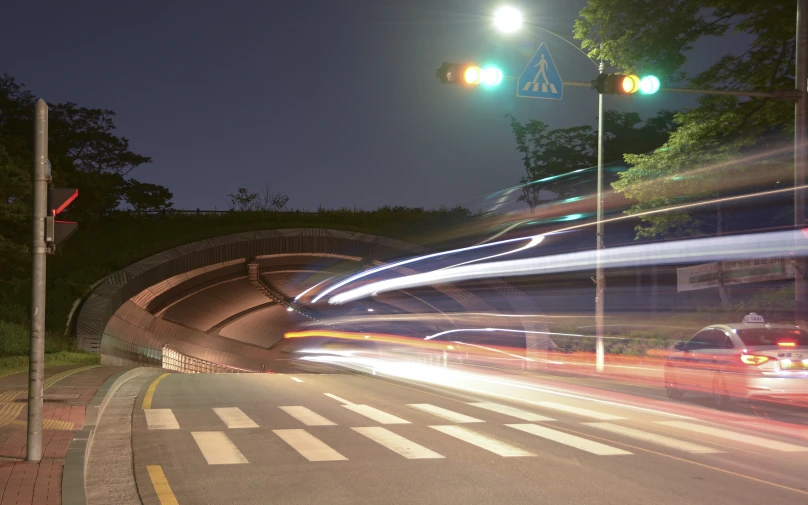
x=171, y=298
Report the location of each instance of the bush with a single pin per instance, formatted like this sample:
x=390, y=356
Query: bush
x=15, y=340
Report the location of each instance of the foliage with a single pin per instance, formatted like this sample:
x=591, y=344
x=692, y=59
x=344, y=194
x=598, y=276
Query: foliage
x=265, y=200
x=548, y=153
x=17, y=364
x=142, y=196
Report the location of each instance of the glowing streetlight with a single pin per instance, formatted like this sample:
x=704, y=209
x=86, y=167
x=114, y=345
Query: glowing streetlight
x=508, y=19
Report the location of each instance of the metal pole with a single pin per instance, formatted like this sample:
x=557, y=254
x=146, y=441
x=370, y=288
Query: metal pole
x=801, y=158
x=36, y=363
x=599, y=279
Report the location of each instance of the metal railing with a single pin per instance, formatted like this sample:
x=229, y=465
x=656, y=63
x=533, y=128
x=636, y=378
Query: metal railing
x=178, y=362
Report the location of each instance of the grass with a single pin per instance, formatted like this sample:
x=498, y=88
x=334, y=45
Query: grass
x=15, y=364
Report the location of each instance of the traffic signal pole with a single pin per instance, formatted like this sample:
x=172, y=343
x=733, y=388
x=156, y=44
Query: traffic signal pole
x=600, y=280
x=801, y=159
x=36, y=363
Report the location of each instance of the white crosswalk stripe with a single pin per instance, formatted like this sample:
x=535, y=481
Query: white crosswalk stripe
x=397, y=443
x=234, y=418
x=376, y=414
x=735, y=436
x=654, y=438
x=307, y=416
x=511, y=411
x=570, y=440
x=217, y=448
x=341, y=400
x=309, y=446
x=592, y=414
x=161, y=419
x=449, y=415
x=483, y=441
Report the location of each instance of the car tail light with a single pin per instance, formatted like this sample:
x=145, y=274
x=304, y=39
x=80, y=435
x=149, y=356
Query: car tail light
x=787, y=344
x=751, y=359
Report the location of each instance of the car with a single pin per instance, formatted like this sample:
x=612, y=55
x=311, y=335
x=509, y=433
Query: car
x=746, y=361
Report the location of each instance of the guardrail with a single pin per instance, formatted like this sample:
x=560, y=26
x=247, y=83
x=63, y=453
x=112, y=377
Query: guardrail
x=178, y=362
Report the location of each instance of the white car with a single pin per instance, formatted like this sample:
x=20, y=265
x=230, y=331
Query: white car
x=750, y=360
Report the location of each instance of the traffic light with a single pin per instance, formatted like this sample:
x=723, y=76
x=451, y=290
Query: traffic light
x=58, y=231
x=469, y=74
x=626, y=84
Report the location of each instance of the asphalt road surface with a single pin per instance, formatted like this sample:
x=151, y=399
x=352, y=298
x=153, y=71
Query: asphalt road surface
x=452, y=436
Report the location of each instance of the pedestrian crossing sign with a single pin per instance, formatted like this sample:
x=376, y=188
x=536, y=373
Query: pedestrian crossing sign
x=540, y=79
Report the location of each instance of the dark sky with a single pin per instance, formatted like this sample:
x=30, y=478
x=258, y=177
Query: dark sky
x=335, y=102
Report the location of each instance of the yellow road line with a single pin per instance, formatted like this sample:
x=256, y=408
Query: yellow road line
x=150, y=392
x=160, y=483
x=50, y=381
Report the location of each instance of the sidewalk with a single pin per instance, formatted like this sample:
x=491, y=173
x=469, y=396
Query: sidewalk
x=68, y=390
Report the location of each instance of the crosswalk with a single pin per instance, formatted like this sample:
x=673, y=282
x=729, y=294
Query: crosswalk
x=217, y=448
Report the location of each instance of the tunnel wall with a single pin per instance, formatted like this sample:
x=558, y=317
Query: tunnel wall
x=135, y=336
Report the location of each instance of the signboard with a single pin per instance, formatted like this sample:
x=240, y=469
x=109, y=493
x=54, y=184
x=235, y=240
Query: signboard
x=735, y=272
x=540, y=79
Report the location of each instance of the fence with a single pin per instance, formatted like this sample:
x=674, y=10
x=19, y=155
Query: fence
x=178, y=362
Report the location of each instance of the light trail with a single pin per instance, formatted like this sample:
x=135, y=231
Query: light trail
x=760, y=245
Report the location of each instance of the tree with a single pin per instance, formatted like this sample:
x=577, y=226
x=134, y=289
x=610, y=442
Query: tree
x=242, y=200
x=709, y=145
x=269, y=201
x=82, y=148
x=548, y=153
x=264, y=200
x=144, y=197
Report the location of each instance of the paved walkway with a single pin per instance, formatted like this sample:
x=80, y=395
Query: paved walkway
x=68, y=390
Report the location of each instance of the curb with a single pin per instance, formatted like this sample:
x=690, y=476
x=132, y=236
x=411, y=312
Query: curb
x=78, y=453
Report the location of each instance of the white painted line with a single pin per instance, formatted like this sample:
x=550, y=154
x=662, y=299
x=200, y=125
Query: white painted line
x=309, y=446
x=449, y=415
x=376, y=414
x=233, y=417
x=161, y=419
x=735, y=436
x=397, y=443
x=593, y=414
x=570, y=440
x=483, y=441
x=511, y=411
x=296, y=379
x=217, y=448
x=341, y=400
x=672, y=443
x=307, y=416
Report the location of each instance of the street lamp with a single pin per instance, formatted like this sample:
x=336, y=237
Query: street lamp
x=500, y=21
x=508, y=19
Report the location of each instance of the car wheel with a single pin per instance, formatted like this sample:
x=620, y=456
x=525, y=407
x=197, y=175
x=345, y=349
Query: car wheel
x=672, y=391
x=721, y=398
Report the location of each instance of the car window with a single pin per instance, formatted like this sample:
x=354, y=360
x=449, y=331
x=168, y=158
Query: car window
x=708, y=339
x=771, y=336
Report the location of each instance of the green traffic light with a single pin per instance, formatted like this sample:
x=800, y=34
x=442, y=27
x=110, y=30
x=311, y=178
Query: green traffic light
x=649, y=85
x=491, y=76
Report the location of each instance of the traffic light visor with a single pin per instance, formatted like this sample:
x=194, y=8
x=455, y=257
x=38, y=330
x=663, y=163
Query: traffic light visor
x=630, y=84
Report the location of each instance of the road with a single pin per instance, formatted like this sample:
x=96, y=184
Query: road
x=426, y=434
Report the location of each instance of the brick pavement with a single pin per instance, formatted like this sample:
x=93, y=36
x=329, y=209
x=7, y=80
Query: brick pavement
x=68, y=390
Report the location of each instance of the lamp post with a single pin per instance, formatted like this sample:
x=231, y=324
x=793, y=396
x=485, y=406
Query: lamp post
x=509, y=20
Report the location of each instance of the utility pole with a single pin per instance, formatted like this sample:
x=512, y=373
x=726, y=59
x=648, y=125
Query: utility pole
x=801, y=158
x=39, y=250
x=600, y=281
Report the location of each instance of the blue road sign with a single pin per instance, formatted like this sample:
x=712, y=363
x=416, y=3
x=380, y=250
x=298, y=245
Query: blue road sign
x=540, y=79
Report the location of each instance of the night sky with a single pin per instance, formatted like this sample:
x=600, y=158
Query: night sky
x=334, y=102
